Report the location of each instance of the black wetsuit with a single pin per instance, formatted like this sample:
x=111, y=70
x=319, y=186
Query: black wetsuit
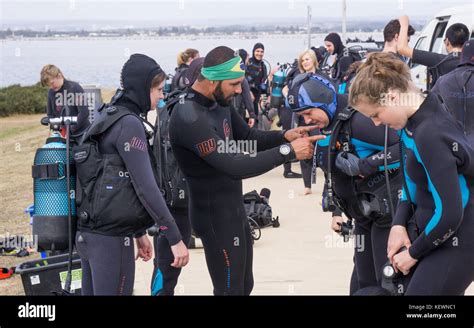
x=106, y=251
x=439, y=174
x=367, y=140
x=456, y=88
x=198, y=128
x=242, y=103
x=256, y=74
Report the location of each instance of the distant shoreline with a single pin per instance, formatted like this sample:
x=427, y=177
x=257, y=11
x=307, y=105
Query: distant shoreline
x=184, y=37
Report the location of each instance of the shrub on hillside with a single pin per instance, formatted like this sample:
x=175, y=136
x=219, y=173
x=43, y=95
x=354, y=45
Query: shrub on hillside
x=16, y=99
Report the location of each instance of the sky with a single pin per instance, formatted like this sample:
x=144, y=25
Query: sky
x=207, y=12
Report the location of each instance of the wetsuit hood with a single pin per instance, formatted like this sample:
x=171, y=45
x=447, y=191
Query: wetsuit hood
x=255, y=47
x=335, y=39
x=310, y=90
x=135, y=79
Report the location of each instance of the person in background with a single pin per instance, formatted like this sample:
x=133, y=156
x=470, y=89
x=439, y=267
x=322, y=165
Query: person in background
x=437, y=64
x=307, y=63
x=344, y=57
x=256, y=75
x=184, y=59
x=243, y=102
x=390, y=35
x=60, y=94
x=391, y=32
x=456, y=89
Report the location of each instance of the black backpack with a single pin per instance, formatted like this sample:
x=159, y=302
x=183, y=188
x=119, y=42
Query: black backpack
x=434, y=73
x=258, y=209
x=170, y=177
x=178, y=78
x=355, y=53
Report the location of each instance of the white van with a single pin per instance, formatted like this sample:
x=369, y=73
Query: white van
x=434, y=33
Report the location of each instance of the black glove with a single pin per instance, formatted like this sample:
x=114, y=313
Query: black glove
x=348, y=163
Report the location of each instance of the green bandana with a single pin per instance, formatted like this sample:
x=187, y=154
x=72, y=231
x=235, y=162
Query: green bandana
x=231, y=69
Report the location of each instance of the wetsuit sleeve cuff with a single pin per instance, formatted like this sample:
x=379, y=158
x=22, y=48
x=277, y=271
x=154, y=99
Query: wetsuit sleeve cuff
x=416, y=56
x=291, y=156
x=139, y=234
x=419, y=248
x=283, y=135
x=172, y=234
x=337, y=212
x=398, y=221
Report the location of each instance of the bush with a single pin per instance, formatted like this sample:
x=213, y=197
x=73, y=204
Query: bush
x=16, y=99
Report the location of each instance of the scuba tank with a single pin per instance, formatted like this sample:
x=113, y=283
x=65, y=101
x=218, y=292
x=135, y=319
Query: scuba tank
x=54, y=188
x=51, y=194
x=278, y=82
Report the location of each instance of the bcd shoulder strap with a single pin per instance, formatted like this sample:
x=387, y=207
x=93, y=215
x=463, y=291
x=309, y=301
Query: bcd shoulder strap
x=342, y=123
x=110, y=115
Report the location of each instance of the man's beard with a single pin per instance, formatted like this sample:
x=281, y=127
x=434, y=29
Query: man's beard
x=219, y=96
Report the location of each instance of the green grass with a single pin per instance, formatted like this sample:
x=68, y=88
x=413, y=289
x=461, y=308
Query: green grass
x=20, y=136
x=14, y=131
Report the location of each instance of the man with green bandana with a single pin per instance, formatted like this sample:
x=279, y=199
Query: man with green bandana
x=216, y=149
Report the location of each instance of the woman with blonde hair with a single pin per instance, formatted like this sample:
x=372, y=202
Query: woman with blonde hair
x=183, y=61
x=307, y=63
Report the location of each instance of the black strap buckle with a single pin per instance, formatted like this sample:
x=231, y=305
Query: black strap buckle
x=55, y=171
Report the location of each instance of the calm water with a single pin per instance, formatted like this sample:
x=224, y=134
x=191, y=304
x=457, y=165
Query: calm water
x=92, y=61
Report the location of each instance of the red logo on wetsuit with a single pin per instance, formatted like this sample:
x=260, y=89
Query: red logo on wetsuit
x=226, y=128
x=206, y=147
x=138, y=143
